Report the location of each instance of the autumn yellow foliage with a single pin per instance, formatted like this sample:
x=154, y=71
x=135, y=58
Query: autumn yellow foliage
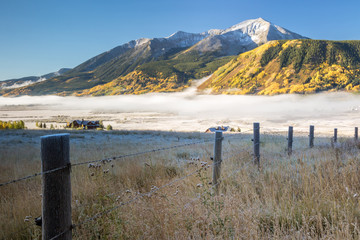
x=246, y=74
x=137, y=82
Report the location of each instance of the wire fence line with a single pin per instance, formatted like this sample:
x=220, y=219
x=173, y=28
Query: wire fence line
x=141, y=153
x=74, y=226
x=34, y=175
x=234, y=172
x=237, y=136
x=233, y=137
x=104, y=160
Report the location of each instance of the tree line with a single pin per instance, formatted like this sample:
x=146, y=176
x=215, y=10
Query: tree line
x=12, y=125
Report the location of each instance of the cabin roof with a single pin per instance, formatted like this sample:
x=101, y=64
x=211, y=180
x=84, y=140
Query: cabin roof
x=83, y=122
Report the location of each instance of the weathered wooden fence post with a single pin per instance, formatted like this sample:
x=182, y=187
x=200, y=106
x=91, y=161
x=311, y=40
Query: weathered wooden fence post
x=290, y=140
x=311, y=136
x=56, y=186
x=217, y=159
x=256, y=140
x=335, y=135
x=356, y=133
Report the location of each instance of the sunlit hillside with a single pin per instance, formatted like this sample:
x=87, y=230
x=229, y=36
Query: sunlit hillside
x=295, y=66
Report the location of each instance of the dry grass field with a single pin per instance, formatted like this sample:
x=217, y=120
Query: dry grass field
x=314, y=194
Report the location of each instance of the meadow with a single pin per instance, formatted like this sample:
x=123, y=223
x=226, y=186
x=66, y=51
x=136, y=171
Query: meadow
x=312, y=194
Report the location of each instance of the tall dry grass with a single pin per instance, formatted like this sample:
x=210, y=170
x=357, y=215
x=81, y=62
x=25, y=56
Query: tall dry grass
x=314, y=194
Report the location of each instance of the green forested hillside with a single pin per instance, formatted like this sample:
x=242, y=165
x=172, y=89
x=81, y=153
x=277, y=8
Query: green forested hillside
x=314, y=52
x=294, y=66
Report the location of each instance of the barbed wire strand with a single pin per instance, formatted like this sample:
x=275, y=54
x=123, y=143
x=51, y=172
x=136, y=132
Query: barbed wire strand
x=35, y=175
x=141, y=153
x=102, y=160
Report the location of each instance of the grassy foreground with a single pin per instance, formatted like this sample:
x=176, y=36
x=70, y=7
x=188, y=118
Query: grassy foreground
x=314, y=194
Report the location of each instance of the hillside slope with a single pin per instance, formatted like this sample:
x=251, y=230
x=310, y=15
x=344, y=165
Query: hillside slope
x=294, y=66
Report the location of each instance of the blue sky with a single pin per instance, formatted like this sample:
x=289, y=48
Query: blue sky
x=42, y=36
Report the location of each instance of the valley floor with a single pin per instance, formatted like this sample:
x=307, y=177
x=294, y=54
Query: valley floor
x=189, y=112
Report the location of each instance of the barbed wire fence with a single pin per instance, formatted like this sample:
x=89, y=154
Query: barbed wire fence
x=108, y=160
x=228, y=152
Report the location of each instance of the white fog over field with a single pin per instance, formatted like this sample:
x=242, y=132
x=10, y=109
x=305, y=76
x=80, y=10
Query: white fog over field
x=188, y=111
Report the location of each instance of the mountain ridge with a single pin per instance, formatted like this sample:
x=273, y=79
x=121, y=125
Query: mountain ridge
x=181, y=57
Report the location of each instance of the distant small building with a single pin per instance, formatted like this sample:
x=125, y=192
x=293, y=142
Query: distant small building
x=83, y=124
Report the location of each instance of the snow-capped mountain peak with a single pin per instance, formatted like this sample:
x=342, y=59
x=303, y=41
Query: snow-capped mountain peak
x=250, y=26
x=180, y=34
x=141, y=41
x=244, y=36
x=215, y=31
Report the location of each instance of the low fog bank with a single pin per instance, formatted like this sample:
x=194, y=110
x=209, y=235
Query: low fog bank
x=188, y=111
x=289, y=106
